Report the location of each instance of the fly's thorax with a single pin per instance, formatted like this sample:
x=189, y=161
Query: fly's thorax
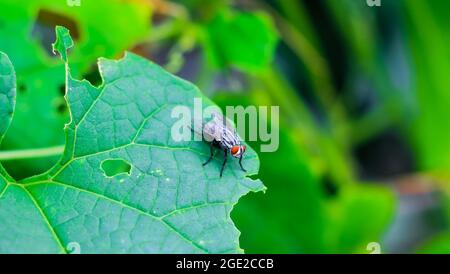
x=229, y=139
x=220, y=130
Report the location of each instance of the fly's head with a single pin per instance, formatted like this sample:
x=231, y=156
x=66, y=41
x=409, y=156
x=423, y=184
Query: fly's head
x=238, y=151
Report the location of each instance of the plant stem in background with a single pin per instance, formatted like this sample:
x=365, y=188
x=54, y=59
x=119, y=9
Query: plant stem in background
x=30, y=153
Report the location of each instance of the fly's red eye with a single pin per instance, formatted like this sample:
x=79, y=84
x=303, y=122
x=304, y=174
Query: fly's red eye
x=234, y=150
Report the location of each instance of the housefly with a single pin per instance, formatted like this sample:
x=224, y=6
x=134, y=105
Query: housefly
x=221, y=134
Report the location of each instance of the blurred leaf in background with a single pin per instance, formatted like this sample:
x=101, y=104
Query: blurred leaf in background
x=428, y=33
x=429, y=36
x=440, y=244
x=358, y=217
x=239, y=39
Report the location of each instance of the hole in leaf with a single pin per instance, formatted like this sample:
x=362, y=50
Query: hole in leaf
x=44, y=28
x=114, y=167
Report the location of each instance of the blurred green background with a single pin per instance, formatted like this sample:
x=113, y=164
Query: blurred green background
x=364, y=96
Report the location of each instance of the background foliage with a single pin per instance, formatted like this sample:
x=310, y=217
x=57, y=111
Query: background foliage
x=363, y=92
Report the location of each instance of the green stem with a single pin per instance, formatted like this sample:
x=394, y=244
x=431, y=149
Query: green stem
x=31, y=153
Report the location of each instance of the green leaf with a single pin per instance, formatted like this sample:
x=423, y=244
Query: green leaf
x=43, y=101
x=167, y=203
x=428, y=34
x=14, y=201
x=63, y=41
x=7, y=93
x=7, y=103
x=359, y=216
x=240, y=39
x=439, y=244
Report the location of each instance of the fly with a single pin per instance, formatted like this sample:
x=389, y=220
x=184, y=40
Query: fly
x=221, y=134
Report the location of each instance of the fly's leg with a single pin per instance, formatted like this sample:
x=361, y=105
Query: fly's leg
x=240, y=163
x=224, y=161
x=211, y=156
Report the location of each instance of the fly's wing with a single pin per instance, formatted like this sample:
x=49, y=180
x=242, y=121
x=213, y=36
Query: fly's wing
x=213, y=130
x=208, y=131
x=217, y=128
x=232, y=129
x=223, y=130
